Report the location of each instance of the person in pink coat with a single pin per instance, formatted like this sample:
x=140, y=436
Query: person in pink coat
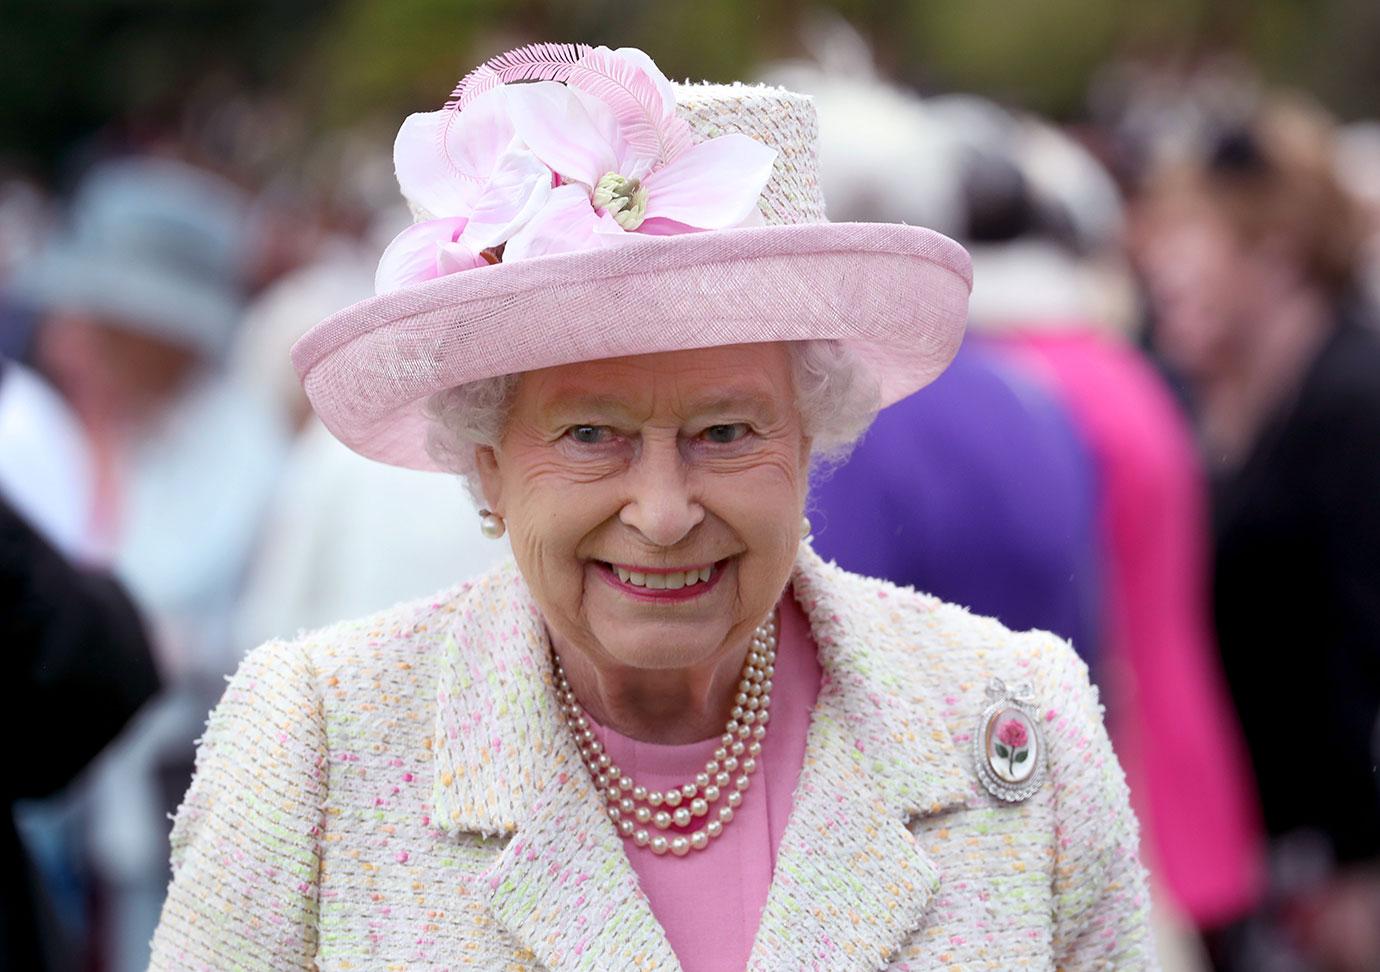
x=665, y=734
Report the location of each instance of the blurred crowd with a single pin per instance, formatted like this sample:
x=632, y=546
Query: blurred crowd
x=1160, y=439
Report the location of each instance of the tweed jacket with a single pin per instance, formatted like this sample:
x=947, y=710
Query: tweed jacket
x=401, y=793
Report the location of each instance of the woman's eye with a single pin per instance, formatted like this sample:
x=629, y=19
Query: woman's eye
x=589, y=434
x=724, y=434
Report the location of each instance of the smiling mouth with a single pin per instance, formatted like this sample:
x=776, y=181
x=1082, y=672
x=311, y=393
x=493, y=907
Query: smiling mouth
x=660, y=582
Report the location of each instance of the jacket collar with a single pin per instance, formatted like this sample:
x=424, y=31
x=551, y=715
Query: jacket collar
x=850, y=882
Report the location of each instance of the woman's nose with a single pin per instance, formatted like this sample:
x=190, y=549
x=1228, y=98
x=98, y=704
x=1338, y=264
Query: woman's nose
x=661, y=503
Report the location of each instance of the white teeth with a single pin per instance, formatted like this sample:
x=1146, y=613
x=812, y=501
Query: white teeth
x=671, y=582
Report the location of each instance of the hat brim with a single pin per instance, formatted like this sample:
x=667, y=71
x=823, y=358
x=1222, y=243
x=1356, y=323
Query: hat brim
x=896, y=295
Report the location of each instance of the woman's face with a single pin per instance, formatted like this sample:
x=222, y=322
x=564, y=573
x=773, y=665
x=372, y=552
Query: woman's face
x=1207, y=285
x=654, y=502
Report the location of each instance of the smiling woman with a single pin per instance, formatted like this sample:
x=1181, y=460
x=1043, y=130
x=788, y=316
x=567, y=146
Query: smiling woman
x=665, y=735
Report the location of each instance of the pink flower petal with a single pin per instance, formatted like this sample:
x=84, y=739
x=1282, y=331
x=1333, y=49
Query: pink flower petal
x=443, y=158
x=713, y=185
x=559, y=128
x=567, y=222
x=516, y=191
x=412, y=257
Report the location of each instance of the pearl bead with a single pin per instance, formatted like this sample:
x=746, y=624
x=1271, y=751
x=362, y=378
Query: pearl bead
x=626, y=827
x=713, y=828
x=643, y=815
x=721, y=779
x=742, y=782
x=604, y=761
x=731, y=763
x=699, y=840
x=641, y=837
x=613, y=794
x=681, y=816
x=737, y=749
x=626, y=805
x=613, y=814
x=672, y=798
x=659, y=845
x=702, y=779
x=711, y=793
x=625, y=783
x=726, y=739
x=725, y=814
x=639, y=793
x=699, y=807
x=749, y=765
x=680, y=846
x=613, y=772
x=689, y=790
x=764, y=701
x=759, y=732
x=661, y=820
x=711, y=767
x=721, y=752
x=755, y=749
x=734, y=798
x=654, y=798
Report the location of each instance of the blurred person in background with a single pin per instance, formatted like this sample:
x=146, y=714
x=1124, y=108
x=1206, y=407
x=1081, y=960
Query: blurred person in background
x=980, y=491
x=1252, y=253
x=1051, y=291
x=77, y=666
x=134, y=304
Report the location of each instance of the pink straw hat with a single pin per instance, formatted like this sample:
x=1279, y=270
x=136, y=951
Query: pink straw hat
x=596, y=210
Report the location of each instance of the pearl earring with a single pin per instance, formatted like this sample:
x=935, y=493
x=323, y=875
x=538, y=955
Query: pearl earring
x=805, y=527
x=491, y=525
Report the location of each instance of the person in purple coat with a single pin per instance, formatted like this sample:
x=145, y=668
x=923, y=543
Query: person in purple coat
x=980, y=492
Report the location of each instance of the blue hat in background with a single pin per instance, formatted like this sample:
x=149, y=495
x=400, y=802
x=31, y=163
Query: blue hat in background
x=153, y=246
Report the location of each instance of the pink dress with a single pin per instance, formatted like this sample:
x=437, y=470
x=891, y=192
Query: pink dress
x=710, y=902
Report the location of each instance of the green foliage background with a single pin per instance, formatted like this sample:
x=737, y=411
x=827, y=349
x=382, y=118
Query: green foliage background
x=66, y=66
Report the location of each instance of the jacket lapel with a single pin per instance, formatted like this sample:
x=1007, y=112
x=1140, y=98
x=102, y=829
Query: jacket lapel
x=506, y=765
x=851, y=882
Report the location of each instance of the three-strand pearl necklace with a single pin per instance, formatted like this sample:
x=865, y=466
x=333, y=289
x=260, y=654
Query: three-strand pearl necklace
x=645, y=816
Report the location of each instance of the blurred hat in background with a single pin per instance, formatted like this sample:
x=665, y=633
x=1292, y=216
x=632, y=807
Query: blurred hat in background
x=153, y=246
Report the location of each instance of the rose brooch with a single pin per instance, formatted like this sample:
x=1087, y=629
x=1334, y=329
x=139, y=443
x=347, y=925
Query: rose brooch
x=1008, y=747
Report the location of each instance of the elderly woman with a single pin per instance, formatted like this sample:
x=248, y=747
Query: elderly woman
x=667, y=735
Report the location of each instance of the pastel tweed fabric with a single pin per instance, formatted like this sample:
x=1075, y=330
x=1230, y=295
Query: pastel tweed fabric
x=896, y=295
x=400, y=793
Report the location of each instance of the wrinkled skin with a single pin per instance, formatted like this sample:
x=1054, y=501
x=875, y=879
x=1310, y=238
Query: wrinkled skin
x=668, y=460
